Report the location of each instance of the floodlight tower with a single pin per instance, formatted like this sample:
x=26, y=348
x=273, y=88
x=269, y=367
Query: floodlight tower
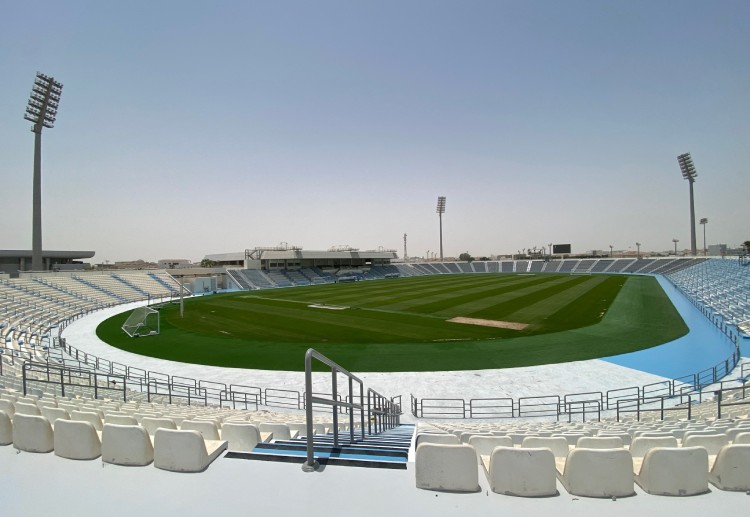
x=41, y=110
x=704, y=222
x=440, y=212
x=675, y=246
x=405, y=256
x=638, y=245
x=689, y=173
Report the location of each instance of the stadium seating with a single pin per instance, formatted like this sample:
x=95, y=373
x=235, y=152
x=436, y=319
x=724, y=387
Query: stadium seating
x=6, y=429
x=598, y=473
x=674, y=471
x=524, y=472
x=731, y=469
x=441, y=466
x=185, y=450
x=76, y=440
x=32, y=433
x=128, y=445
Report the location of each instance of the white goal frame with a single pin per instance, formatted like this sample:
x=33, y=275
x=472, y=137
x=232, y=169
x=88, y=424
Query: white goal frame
x=143, y=321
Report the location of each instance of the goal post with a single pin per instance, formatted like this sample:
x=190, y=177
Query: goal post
x=143, y=321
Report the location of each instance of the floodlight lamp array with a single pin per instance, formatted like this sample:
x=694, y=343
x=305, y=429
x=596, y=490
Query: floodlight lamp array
x=43, y=102
x=687, y=167
x=441, y=205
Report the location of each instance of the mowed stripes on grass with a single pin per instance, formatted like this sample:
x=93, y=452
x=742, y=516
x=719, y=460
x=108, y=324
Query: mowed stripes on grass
x=402, y=324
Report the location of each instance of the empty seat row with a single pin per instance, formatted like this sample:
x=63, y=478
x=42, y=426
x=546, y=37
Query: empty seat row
x=131, y=445
x=532, y=472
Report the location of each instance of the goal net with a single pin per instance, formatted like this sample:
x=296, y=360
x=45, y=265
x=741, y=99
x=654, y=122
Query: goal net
x=143, y=321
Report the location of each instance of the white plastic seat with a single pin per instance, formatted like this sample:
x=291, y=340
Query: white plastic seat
x=742, y=438
x=120, y=420
x=600, y=442
x=731, y=469
x=32, y=433
x=240, y=436
x=8, y=407
x=640, y=445
x=126, y=445
x=557, y=444
x=280, y=431
x=76, y=440
x=87, y=416
x=598, y=473
x=6, y=429
x=674, y=471
x=485, y=444
x=24, y=408
x=206, y=428
x=54, y=413
x=185, y=451
x=448, y=439
x=151, y=424
x=523, y=472
x=446, y=467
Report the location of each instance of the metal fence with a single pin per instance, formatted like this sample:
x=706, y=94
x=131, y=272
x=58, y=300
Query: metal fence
x=586, y=405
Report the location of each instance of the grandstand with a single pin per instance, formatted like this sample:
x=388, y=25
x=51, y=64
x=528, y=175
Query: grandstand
x=75, y=399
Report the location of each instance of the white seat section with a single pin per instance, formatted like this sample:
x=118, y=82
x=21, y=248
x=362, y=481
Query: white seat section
x=205, y=427
x=557, y=444
x=120, y=420
x=640, y=445
x=32, y=433
x=600, y=442
x=280, y=431
x=712, y=442
x=8, y=407
x=185, y=451
x=25, y=408
x=76, y=440
x=240, y=436
x=6, y=429
x=485, y=444
x=446, y=467
x=522, y=472
x=625, y=437
x=466, y=436
x=299, y=428
x=151, y=424
x=54, y=413
x=599, y=473
x=126, y=445
x=447, y=439
x=87, y=416
x=742, y=438
x=674, y=471
x=731, y=469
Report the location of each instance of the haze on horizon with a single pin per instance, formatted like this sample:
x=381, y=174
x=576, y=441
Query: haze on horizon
x=187, y=128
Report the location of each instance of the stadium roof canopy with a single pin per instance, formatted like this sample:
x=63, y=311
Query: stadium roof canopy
x=296, y=257
x=12, y=261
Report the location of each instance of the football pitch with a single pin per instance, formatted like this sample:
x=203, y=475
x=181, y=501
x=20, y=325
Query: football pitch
x=431, y=323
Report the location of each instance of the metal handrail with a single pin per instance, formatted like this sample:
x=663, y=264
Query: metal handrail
x=310, y=399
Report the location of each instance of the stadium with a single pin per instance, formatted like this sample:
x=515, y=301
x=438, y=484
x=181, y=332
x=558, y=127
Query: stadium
x=571, y=378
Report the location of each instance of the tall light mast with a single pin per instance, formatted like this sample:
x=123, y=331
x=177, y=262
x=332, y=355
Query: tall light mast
x=41, y=110
x=689, y=173
x=440, y=212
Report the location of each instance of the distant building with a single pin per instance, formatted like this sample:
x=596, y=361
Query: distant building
x=13, y=261
x=174, y=263
x=286, y=258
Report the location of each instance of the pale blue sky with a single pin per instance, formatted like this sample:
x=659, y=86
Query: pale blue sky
x=187, y=128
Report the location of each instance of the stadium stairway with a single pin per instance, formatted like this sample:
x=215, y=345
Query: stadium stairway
x=389, y=449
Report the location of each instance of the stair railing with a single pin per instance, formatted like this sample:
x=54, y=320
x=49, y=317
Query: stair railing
x=335, y=402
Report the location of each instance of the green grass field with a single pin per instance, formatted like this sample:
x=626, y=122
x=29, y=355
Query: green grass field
x=401, y=324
